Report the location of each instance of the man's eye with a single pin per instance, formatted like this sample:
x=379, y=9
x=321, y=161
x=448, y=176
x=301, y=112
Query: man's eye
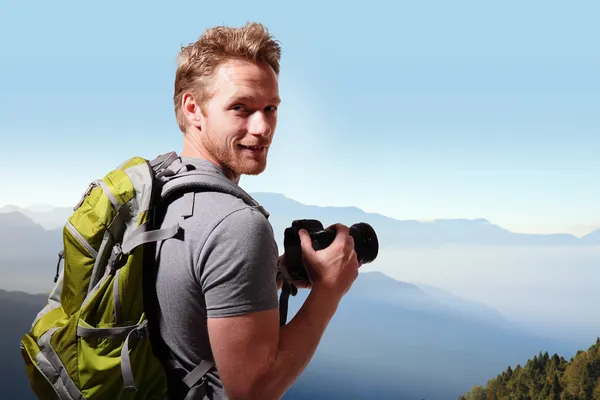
x=239, y=107
x=272, y=108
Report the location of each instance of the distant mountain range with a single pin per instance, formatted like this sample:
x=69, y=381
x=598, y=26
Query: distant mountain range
x=411, y=233
x=391, y=232
x=33, y=235
x=389, y=339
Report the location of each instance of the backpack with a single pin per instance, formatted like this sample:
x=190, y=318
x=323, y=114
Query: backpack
x=91, y=340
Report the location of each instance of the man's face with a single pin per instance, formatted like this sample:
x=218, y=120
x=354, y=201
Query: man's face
x=237, y=125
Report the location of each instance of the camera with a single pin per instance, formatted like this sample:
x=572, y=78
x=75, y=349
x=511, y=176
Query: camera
x=366, y=244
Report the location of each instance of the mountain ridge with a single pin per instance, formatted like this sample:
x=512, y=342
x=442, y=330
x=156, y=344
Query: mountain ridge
x=436, y=231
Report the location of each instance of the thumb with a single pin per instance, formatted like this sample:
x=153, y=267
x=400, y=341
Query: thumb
x=306, y=244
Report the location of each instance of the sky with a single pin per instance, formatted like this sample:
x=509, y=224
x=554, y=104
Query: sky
x=415, y=110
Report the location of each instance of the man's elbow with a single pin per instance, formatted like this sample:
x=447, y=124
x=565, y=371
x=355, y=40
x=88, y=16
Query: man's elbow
x=246, y=393
x=254, y=386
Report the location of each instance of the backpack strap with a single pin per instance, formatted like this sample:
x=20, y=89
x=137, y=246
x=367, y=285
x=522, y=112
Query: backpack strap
x=163, y=161
x=139, y=237
x=184, y=178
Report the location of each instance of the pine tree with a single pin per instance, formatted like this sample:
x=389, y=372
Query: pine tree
x=586, y=386
x=556, y=389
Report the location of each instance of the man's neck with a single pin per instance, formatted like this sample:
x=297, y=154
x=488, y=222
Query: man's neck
x=199, y=152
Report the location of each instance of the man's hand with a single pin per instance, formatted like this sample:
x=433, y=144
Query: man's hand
x=334, y=268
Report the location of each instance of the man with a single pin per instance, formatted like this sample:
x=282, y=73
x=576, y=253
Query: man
x=217, y=288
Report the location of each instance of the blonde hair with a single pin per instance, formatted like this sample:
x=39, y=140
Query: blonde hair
x=197, y=62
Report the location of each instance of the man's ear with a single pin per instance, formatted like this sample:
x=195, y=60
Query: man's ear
x=192, y=110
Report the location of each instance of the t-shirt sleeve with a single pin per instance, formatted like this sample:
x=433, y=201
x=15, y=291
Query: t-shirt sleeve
x=238, y=265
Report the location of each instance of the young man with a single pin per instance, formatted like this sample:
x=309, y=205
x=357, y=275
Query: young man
x=217, y=287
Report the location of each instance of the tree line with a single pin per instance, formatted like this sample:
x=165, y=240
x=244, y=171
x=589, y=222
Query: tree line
x=546, y=377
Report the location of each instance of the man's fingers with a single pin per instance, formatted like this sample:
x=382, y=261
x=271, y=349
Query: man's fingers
x=306, y=243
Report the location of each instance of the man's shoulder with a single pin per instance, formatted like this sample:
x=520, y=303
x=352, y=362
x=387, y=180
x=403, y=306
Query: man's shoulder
x=207, y=210
x=233, y=218
x=224, y=208
x=217, y=228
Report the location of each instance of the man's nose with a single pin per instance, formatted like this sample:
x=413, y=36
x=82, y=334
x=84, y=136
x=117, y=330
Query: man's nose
x=259, y=125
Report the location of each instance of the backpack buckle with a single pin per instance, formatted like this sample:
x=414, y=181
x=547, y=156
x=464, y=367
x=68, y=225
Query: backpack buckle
x=165, y=173
x=116, y=256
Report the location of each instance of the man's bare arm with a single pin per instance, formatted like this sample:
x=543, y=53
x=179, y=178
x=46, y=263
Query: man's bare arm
x=257, y=359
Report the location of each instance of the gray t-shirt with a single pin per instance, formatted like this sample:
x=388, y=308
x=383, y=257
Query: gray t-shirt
x=223, y=264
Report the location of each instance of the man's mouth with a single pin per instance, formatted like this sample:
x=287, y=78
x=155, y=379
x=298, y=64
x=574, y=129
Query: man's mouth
x=256, y=148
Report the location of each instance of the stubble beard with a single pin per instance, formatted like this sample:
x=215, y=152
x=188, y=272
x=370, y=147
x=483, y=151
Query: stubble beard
x=231, y=159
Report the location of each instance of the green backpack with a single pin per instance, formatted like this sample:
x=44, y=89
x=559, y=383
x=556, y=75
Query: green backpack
x=91, y=340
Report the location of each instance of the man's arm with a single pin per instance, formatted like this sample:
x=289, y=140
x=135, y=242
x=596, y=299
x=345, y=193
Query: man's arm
x=257, y=359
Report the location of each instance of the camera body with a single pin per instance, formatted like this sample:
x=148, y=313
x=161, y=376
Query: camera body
x=366, y=245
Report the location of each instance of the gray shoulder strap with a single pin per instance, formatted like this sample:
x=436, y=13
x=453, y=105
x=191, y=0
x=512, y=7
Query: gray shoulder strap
x=178, y=178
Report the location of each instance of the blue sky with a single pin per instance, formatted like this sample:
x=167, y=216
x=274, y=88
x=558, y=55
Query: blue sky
x=416, y=110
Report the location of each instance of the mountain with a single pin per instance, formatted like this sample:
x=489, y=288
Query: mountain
x=466, y=306
x=376, y=287
x=408, y=233
x=390, y=339
x=19, y=234
x=28, y=253
x=17, y=312
x=47, y=217
x=592, y=237
x=546, y=377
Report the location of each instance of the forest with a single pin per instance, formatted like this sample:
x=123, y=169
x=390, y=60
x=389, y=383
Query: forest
x=546, y=377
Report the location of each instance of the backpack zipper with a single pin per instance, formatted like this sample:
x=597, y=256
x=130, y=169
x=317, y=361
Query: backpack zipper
x=91, y=186
x=81, y=239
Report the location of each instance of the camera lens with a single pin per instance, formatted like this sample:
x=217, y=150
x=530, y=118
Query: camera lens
x=366, y=244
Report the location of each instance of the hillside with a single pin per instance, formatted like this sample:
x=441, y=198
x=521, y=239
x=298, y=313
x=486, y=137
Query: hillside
x=391, y=340
x=17, y=312
x=545, y=377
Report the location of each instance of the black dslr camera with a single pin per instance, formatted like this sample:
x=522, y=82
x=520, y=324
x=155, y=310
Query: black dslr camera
x=366, y=244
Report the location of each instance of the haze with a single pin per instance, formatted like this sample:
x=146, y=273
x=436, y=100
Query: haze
x=549, y=289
